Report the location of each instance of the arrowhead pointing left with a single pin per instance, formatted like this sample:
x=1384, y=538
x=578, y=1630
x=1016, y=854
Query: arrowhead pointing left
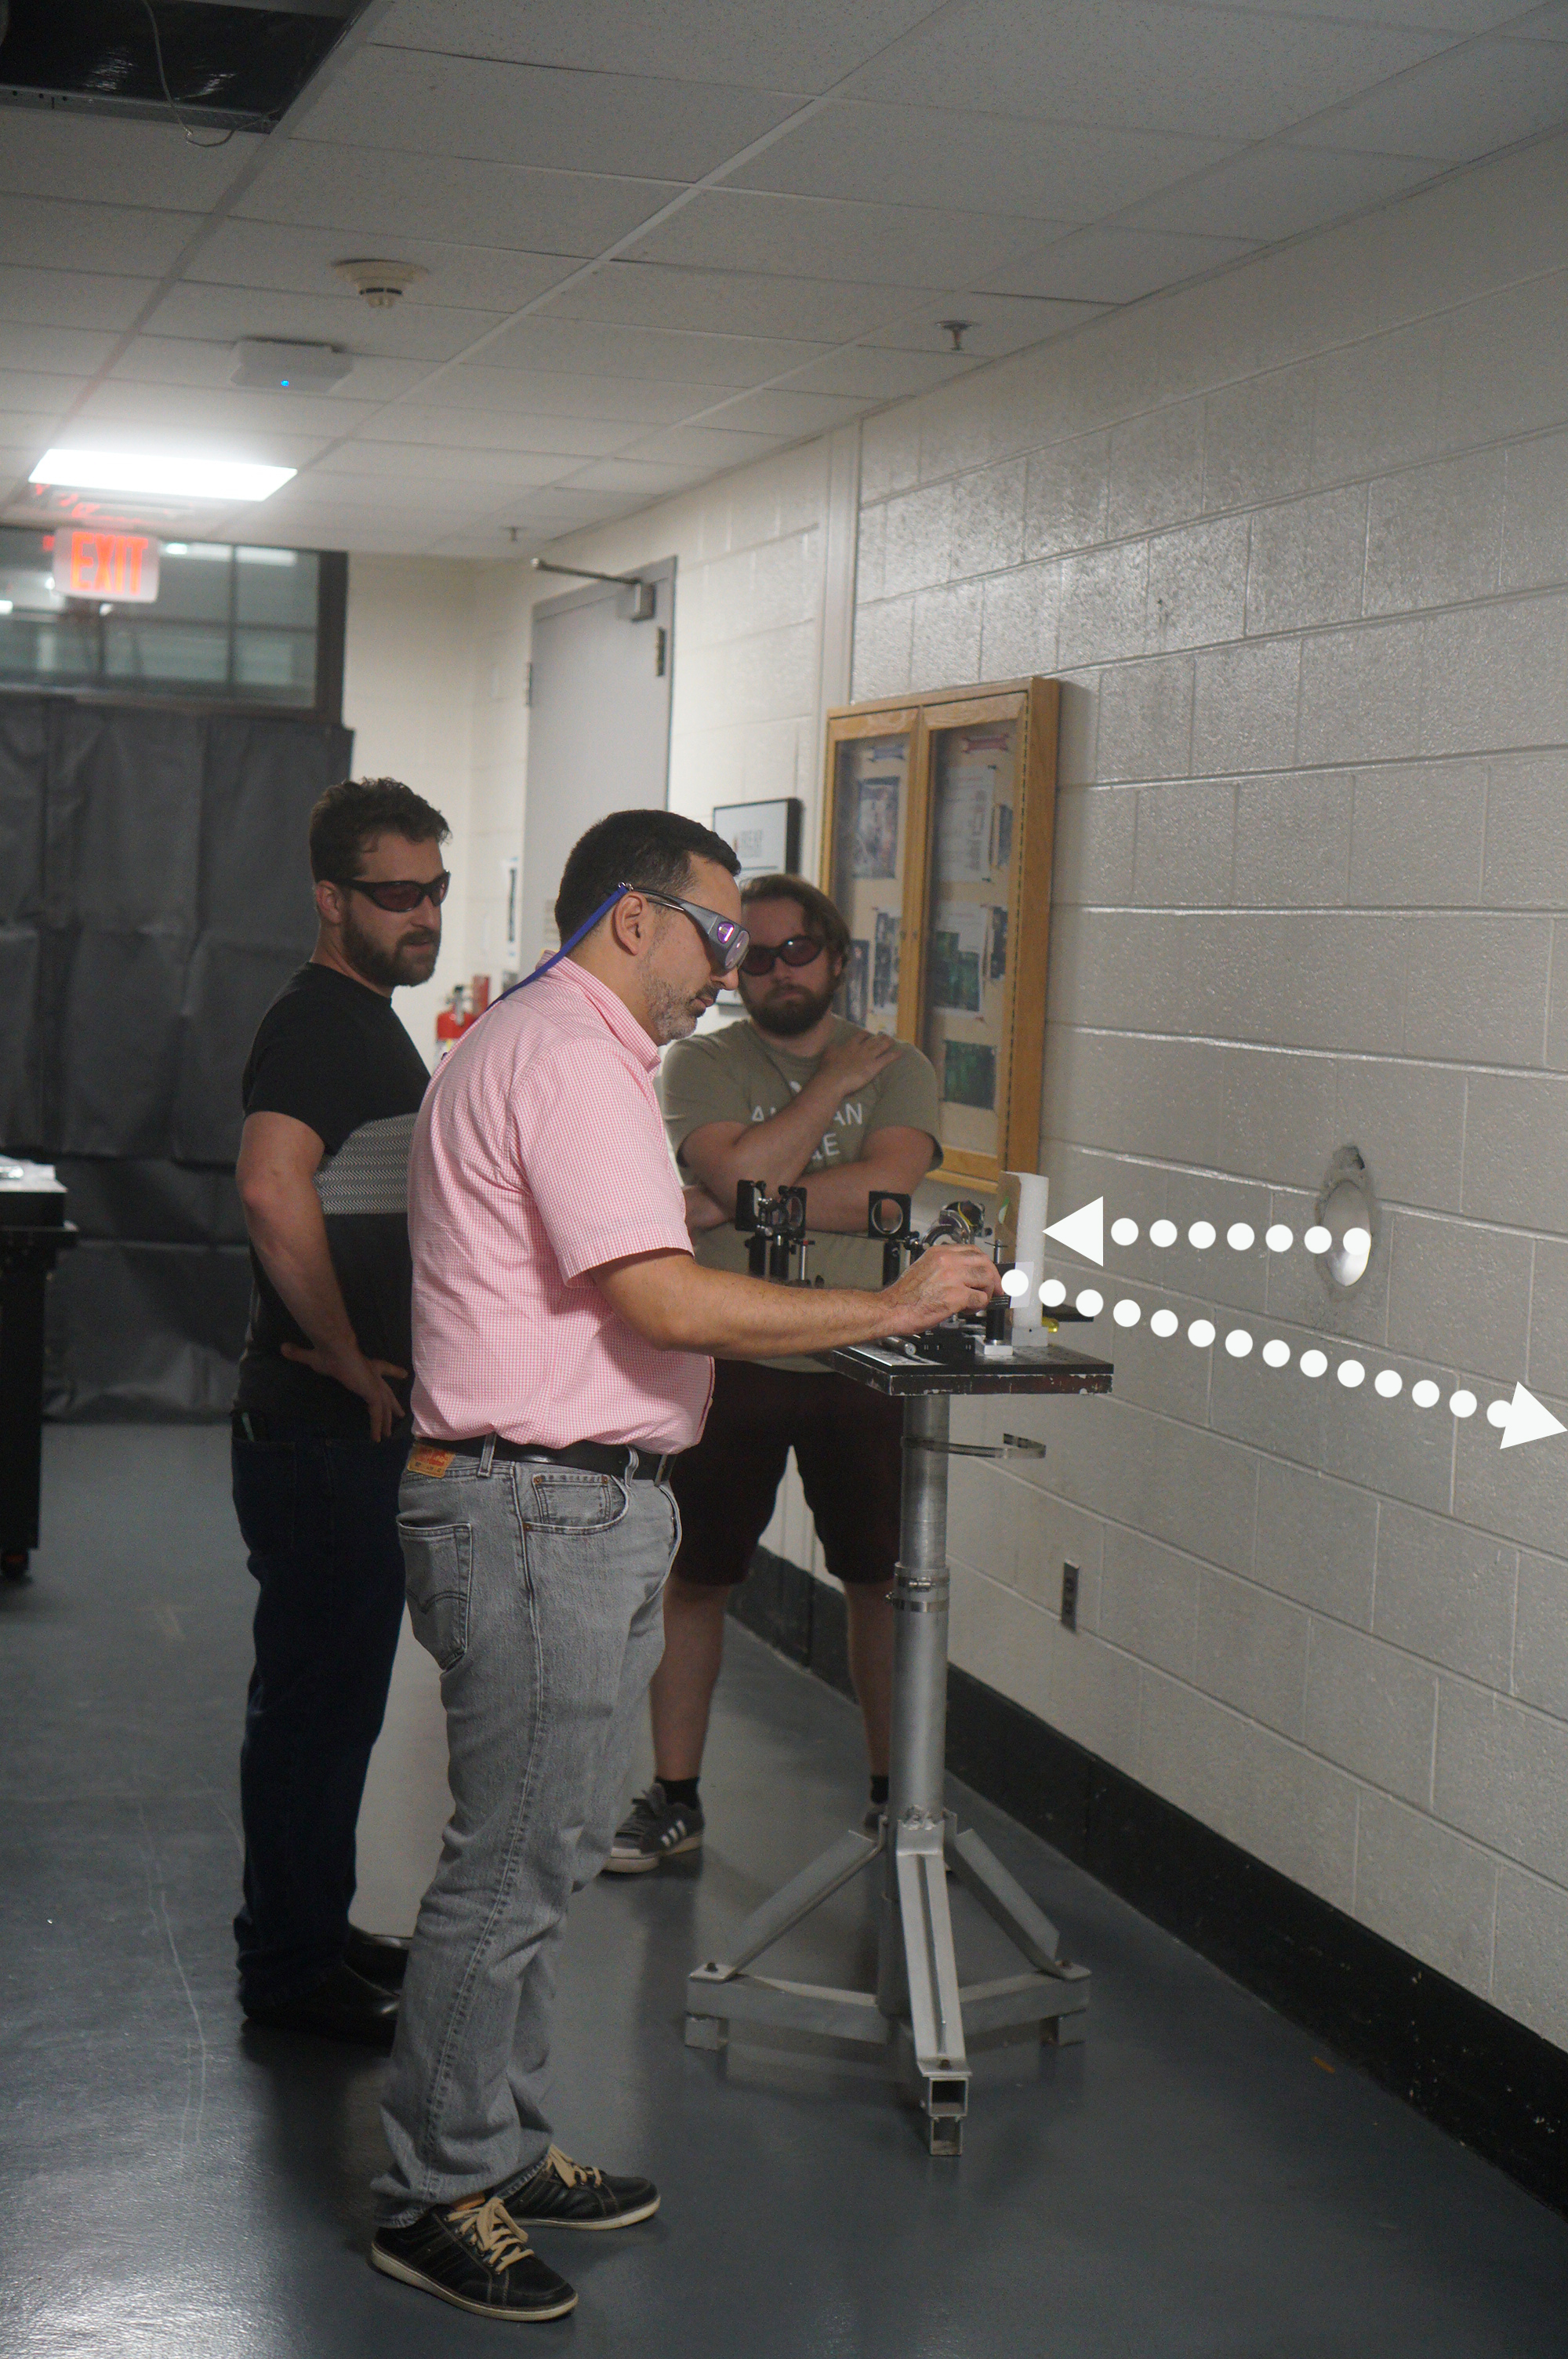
x=1083, y=1232
x=1528, y=1420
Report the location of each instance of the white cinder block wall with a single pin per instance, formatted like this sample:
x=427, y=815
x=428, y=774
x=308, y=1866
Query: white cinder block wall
x=1298, y=540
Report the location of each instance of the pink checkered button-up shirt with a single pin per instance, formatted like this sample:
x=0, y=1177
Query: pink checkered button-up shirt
x=539, y=1155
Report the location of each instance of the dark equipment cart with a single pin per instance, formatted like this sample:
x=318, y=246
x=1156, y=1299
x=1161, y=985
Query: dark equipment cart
x=34, y=1232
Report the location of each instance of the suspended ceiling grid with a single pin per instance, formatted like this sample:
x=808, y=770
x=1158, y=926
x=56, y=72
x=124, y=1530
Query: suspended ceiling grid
x=660, y=243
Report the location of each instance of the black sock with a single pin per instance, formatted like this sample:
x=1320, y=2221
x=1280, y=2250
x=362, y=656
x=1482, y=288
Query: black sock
x=680, y=1789
x=879, y=1792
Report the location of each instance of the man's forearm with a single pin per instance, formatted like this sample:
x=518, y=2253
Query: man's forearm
x=837, y=1199
x=289, y=1234
x=682, y=1306
x=776, y=1152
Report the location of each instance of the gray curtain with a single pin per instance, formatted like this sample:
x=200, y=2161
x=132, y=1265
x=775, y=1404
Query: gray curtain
x=155, y=892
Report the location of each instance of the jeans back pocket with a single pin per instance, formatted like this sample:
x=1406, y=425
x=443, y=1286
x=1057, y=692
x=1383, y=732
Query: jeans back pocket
x=566, y=1501
x=437, y=1560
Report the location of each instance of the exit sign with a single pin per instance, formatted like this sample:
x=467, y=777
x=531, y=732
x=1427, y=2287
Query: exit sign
x=120, y=566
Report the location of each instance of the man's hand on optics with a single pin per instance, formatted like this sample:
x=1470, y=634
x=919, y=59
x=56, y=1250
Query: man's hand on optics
x=946, y=1280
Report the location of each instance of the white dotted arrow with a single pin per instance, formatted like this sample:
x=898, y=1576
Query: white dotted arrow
x=1528, y=1420
x=1083, y=1232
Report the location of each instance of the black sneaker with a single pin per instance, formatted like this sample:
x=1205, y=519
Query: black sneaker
x=654, y=1829
x=474, y=2255
x=566, y=2194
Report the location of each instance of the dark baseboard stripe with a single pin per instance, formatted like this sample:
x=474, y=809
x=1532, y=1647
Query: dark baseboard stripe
x=1467, y=2066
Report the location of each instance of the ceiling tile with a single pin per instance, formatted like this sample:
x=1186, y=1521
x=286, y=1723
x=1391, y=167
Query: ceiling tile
x=45, y=392
x=1142, y=65
x=577, y=345
x=405, y=464
x=547, y=393
x=1459, y=107
x=49, y=155
x=636, y=475
x=782, y=44
x=219, y=314
x=393, y=197
x=651, y=294
x=1278, y=192
x=876, y=374
x=47, y=231
x=299, y=261
x=707, y=446
x=71, y=298
x=1116, y=265
x=1456, y=17
x=781, y=410
x=479, y=541
x=565, y=505
x=1549, y=23
x=539, y=116
x=811, y=237
x=228, y=409
x=88, y=431
x=989, y=163
x=496, y=430
x=997, y=324
x=178, y=360
x=57, y=350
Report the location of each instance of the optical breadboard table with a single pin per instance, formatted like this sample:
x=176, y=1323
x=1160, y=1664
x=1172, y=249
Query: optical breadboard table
x=34, y=1232
x=918, y=1841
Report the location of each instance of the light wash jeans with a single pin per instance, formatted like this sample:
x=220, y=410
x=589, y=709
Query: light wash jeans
x=538, y=1590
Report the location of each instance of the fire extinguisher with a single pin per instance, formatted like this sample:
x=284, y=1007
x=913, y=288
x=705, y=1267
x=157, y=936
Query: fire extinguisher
x=466, y=1006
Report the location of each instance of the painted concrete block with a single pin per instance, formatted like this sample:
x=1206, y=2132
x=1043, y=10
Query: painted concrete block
x=1214, y=1275
x=1244, y=708
x=1420, y=835
x=1018, y=632
x=1506, y=363
x=1427, y=1890
x=918, y=539
x=1080, y=716
x=884, y=638
x=1187, y=836
x=1519, y=1494
x=1293, y=840
x=1197, y=584
x=1274, y=1107
x=1446, y=1593
x=1528, y=1980
x=1408, y=1122
x=1092, y=857
x=889, y=451
x=1102, y=604
x=1129, y=1096
x=1361, y=693
x=1500, y=1768
x=1377, y=403
x=1094, y=1695
x=1458, y=1291
x=1252, y=1651
x=1066, y=497
x=1541, y=1634
x=1316, y=1541
x=987, y=520
x=1547, y=1367
x=1527, y=832
x=1434, y=534
x=1207, y=334
x=1517, y=1149
x=1477, y=987
x=1149, y=1601
x=946, y=651
x=1156, y=469
x=1535, y=518
x=1257, y=439
x=1047, y=1532
x=998, y=1636
x=1146, y=718
x=1307, y=561
x=1371, y=1710
x=1194, y=1490
x=1494, y=675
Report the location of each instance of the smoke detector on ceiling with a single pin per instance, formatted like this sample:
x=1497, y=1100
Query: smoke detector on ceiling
x=289, y=367
x=381, y=284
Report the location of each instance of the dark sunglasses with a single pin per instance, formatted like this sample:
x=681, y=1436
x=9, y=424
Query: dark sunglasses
x=402, y=894
x=727, y=942
x=799, y=950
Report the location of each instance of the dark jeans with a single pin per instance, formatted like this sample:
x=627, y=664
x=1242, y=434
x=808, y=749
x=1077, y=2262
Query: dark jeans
x=319, y=1518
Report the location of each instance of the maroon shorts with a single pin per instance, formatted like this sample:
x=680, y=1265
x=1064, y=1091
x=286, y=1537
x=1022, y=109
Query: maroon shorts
x=847, y=1444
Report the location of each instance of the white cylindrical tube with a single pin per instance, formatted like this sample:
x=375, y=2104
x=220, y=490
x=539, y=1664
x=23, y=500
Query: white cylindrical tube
x=1033, y=1199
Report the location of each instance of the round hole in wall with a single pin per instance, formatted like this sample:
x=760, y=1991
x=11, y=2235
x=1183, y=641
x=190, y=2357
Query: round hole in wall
x=1348, y=1209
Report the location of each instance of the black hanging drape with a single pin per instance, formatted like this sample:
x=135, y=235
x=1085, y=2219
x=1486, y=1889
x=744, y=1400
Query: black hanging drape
x=155, y=892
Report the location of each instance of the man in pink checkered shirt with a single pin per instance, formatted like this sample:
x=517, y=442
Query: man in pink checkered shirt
x=562, y=1340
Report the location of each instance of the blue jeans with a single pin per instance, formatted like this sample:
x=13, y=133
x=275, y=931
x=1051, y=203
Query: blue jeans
x=319, y=1518
x=537, y=1589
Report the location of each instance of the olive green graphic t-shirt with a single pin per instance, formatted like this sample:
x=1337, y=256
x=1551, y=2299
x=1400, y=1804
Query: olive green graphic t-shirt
x=734, y=1075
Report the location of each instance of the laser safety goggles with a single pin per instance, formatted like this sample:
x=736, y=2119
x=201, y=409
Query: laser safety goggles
x=797, y=950
x=399, y=894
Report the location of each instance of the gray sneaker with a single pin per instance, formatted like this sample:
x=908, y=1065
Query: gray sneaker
x=653, y=1830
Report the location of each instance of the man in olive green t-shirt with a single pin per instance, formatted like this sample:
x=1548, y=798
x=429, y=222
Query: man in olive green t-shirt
x=793, y=1095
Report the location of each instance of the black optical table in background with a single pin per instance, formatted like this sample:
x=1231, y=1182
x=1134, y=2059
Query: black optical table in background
x=34, y=1232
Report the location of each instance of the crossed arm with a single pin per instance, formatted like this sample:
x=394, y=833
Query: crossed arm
x=896, y=1162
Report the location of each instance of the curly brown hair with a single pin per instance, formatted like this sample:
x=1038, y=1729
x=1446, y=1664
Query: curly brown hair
x=822, y=915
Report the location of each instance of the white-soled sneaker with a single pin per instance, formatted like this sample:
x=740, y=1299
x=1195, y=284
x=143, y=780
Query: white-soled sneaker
x=653, y=1830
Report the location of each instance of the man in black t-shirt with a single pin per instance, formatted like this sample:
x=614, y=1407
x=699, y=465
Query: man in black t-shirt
x=322, y=1427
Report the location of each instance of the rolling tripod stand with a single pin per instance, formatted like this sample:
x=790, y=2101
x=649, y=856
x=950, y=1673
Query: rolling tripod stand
x=918, y=1841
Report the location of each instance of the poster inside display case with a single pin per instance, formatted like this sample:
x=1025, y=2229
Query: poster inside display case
x=939, y=826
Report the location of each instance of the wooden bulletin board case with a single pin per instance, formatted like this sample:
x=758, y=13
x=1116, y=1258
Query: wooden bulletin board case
x=939, y=818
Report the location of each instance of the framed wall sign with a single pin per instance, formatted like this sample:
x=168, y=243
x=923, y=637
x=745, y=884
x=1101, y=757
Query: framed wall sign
x=765, y=837
x=939, y=816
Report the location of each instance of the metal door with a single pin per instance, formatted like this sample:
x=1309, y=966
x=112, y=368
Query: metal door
x=598, y=731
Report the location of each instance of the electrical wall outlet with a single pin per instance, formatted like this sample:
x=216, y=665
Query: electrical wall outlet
x=1069, y=1596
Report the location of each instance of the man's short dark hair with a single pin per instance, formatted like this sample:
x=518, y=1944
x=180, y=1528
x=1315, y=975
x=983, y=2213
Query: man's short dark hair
x=651, y=848
x=822, y=915
x=350, y=815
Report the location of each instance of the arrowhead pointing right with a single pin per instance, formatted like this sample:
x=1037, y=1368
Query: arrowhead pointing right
x=1528, y=1420
x=1083, y=1232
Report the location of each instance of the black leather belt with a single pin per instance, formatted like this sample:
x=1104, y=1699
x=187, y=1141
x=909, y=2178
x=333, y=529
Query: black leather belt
x=591, y=1457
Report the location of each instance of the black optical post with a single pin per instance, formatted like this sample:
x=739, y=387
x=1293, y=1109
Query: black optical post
x=918, y=2002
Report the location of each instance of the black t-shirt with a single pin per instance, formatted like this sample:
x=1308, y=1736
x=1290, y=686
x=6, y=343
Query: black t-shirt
x=331, y=1053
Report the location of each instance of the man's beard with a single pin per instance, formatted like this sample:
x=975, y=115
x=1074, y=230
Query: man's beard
x=413, y=959
x=786, y=1019
x=672, y=1014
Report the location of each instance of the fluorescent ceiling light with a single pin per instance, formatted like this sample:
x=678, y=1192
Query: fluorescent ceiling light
x=136, y=471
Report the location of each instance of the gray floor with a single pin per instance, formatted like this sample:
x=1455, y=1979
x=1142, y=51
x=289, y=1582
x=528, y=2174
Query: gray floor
x=1197, y=2179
